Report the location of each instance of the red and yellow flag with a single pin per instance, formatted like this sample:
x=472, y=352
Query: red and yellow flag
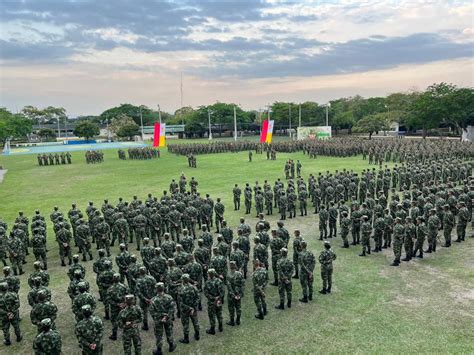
x=267, y=131
x=159, y=137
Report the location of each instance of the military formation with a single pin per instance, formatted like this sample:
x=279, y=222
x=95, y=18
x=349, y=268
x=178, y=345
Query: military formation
x=156, y=260
x=62, y=158
x=143, y=153
x=94, y=157
x=177, y=264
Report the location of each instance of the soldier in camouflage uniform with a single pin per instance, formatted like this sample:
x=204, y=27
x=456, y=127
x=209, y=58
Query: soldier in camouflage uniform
x=398, y=238
x=410, y=235
x=42, y=274
x=16, y=254
x=121, y=230
x=219, y=209
x=421, y=233
x=83, y=239
x=235, y=292
x=345, y=224
x=147, y=252
x=323, y=222
x=162, y=311
x=189, y=300
x=89, y=332
x=214, y=292
x=36, y=287
x=379, y=227
x=448, y=225
x=75, y=266
x=237, y=255
x=366, y=230
x=463, y=218
x=115, y=296
x=237, y=192
x=9, y=313
x=63, y=237
x=129, y=320
x=158, y=266
x=433, y=227
x=43, y=309
x=356, y=217
x=48, y=341
x=104, y=281
x=82, y=299
x=260, y=252
x=276, y=244
x=102, y=230
x=123, y=261
x=326, y=258
x=259, y=282
x=38, y=244
x=285, y=269
x=332, y=216
x=145, y=290
x=219, y=264
x=173, y=281
x=296, y=252
x=307, y=264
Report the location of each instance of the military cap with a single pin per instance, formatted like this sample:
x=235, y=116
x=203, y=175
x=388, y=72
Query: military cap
x=46, y=322
x=3, y=286
x=185, y=277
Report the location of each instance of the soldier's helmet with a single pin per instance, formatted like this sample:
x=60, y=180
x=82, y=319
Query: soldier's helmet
x=185, y=277
x=116, y=277
x=129, y=298
x=46, y=323
x=82, y=286
x=160, y=286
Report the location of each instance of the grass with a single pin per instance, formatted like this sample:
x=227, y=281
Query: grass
x=424, y=306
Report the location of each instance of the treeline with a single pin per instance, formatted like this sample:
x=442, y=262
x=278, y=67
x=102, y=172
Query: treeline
x=438, y=105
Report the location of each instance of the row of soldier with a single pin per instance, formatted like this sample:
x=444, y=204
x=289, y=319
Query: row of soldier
x=54, y=159
x=94, y=157
x=182, y=277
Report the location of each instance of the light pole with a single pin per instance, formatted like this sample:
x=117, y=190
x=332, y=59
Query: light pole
x=299, y=115
x=141, y=122
x=65, y=124
x=235, y=124
x=209, y=119
x=159, y=112
x=59, y=130
x=327, y=113
x=289, y=118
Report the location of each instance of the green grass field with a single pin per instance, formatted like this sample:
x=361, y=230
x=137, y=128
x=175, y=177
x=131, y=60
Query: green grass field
x=424, y=306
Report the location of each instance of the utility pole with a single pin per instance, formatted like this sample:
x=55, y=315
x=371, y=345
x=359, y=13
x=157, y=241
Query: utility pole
x=289, y=118
x=235, y=124
x=209, y=118
x=59, y=130
x=299, y=115
x=141, y=122
x=159, y=112
x=327, y=113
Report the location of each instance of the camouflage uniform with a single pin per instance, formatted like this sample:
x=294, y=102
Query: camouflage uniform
x=235, y=292
x=128, y=319
x=89, y=333
x=48, y=341
x=326, y=258
x=9, y=313
x=214, y=292
x=162, y=311
x=285, y=270
x=189, y=300
x=259, y=281
x=307, y=263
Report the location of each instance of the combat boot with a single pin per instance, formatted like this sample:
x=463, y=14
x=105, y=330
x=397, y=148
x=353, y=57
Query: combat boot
x=221, y=327
x=172, y=347
x=395, y=263
x=310, y=297
x=296, y=275
x=323, y=291
x=259, y=315
x=158, y=351
x=7, y=342
x=368, y=250
x=114, y=335
x=265, y=310
x=63, y=263
x=237, y=321
x=304, y=299
x=328, y=290
x=231, y=322
x=346, y=245
x=145, y=326
x=185, y=339
x=90, y=256
x=196, y=336
x=429, y=250
x=280, y=306
x=274, y=283
x=107, y=316
x=84, y=257
x=21, y=271
x=421, y=254
x=211, y=331
x=363, y=253
x=288, y=304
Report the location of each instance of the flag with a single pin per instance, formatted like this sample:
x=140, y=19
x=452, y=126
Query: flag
x=159, y=136
x=267, y=131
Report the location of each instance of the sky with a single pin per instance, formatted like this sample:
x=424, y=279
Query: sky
x=87, y=56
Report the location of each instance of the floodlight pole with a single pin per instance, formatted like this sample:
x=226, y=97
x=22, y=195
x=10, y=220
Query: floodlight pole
x=235, y=124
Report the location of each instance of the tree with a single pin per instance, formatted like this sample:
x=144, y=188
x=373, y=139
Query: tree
x=128, y=130
x=460, y=108
x=86, y=129
x=47, y=134
x=194, y=129
x=13, y=126
x=372, y=124
x=148, y=115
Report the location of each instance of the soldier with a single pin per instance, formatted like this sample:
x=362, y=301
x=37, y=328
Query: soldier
x=285, y=269
x=145, y=291
x=162, y=311
x=115, y=295
x=332, y=215
x=214, y=292
x=48, y=341
x=219, y=264
x=323, y=223
x=282, y=233
x=38, y=244
x=421, y=232
x=227, y=233
x=307, y=263
x=36, y=287
x=235, y=292
x=433, y=227
x=82, y=299
x=356, y=217
x=104, y=281
x=345, y=224
x=147, y=252
x=398, y=237
x=63, y=237
x=189, y=301
x=173, y=281
x=140, y=225
x=244, y=245
x=410, y=235
x=296, y=252
x=326, y=258
x=9, y=313
x=16, y=254
x=276, y=245
x=282, y=205
x=102, y=230
x=463, y=219
x=83, y=240
x=123, y=261
x=387, y=234
x=379, y=227
x=43, y=275
x=12, y=280
x=158, y=266
x=89, y=332
x=248, y=199
x=168, y=246
x=76, y=266
x=260, y=252
x=448, y=225
x=3, y=244
x=366, y=230
x=129, y=319
x=73, y=288
x=43, y=309
x=303, y=197
x=259, y=281
x=219, y=210
x=238, y=256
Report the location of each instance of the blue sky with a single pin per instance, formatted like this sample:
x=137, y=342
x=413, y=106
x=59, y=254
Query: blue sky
x=88, y=55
